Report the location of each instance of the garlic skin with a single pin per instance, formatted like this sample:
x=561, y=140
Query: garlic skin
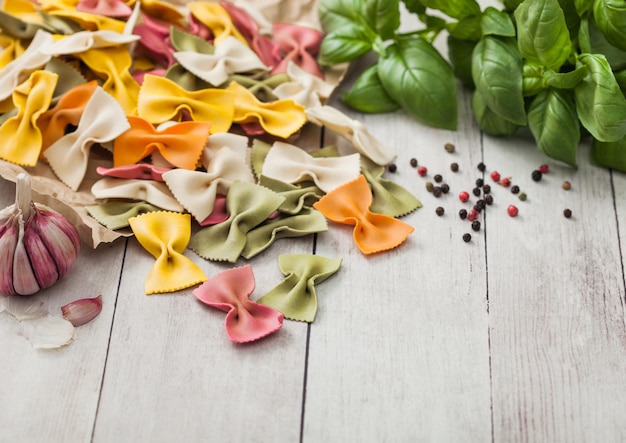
x=82, y=311
x=37, y=246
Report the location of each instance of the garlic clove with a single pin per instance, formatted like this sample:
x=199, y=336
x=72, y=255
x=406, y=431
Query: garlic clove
x=82, y=311
x=47, y=332
x=60, y=238
x=8, y=243
x=43, y=264
x=24, y=308
x=24, y=279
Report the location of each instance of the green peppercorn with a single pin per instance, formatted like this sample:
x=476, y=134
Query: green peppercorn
x=429, y=186
x=522, y=196
x=449, y=147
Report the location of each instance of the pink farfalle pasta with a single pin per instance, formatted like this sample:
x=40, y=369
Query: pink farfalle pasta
x=21, y=138
x=108, y=8
x=154, y=192
x=230, y=291
x=350, y=204
x=291, y=164
x=103, y=120
x=299, y=45
x=155, y=42
x=142, y=171
x=165, y=236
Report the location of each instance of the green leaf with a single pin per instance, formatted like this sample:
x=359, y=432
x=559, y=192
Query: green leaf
x=494, y=22
x=383, y=16
x=417, y=77
x=467, y=28
x=414, y=6
x=620, y=76
x=553, y=122
x=368, y=95
x=488, y=120
x=543, y=37
x=335, y=14
x=533, y=82
x=460, y=56
x=600, y=104
x=610, y=15
x=609, y=154
x=344, y=45
x=497, y=74
x=600, y=45
x=511, y=5
x=454, y=8
x=565, y=80
x=583, y=6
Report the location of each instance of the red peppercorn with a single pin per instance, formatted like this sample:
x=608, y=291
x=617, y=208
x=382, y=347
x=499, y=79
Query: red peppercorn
x=422, y=171
x=463, y=196
x=544, y=169
x=506, y=182
x=495, y=176
x=472, y=215
x=512, y=210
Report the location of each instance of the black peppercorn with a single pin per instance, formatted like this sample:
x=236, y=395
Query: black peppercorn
x=392, y=168
x=449, y=147
x=454, y=167
x=480, y=182
x=413, y=162
x=477, y=208
x=515, y=189
x=476, y=191
x=486, y=189
x=439, y=211
x=467, y=237
x=481, y=167
x=438, y=178
x=476, y=225
x=445, y=188
x=463, y=214
x=536, y=175
x=437, y=191
x=480, y=203
x=489, y=199
x=567, y=213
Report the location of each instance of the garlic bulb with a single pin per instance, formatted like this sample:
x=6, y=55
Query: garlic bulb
x=37, y=246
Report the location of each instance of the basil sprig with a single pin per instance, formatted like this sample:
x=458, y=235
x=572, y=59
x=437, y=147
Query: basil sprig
x=557, y=67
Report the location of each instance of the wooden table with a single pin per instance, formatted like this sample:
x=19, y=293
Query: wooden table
x=517, y=336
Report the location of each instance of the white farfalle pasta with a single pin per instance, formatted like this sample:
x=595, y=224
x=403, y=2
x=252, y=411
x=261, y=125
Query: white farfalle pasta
x=237, y=143
x=103, y=120
x=231, y=56
x=352, y=130
x=153, y=192
x=86, y=40
x=304, y=88
x=291, y=164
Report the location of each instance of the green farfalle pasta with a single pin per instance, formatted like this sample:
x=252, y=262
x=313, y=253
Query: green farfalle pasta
x=296, y=196
x=115, y=214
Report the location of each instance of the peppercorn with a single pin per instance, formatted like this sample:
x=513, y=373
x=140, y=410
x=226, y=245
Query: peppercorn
x=439, y=211
x=480, y=182
x=437, y=191
x=544, y=169
x=515, y=189
x=536, y=175
x=566, y=185
x=489, y=199
x=463, y=214
x=506, y=182
x=486, y=189
x=422, y=171
x=392, y=168
x=476, y=225
x=522, y=196
x=512, y=210
x=467, y=237
x=477, y=208
x=454, y=167
x=449, y=147
x=495, y=176
x=481, y=167
x=413, y=162
x=438, y=178
x=445, y=188
x=476, y=191
x=463, y=196
x=481, y=204
x=472, y=215
x=429, y=186
x=567, y=213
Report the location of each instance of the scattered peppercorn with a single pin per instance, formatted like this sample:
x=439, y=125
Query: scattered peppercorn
x=566, y=185
x=422, y=171
x=439, y=211
x=489, y=199
x=477, y=208
x=506, y=182
x=445, y=188
x=392, y=168
x=481, y=204
x=467, y=237
x=515, y=189
x=480, y=182
x=476, y=225
x=512, y=210
x=438, y=178
x=454, y=167
x=463, y=214
x=522, y=196
x=472, y=215
x=429, y=186
x=449, y=147
x=476, y=191
x=437, y=191
x=413, y=162
x=463, y=196
x=486, y=189
x=567, y=213
x=536, y=175
x=544, y=169
x=481, y=167
x=495, y=176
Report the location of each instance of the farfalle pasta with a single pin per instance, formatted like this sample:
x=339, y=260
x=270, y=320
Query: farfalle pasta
x=216, y=18
x=115, y=214
x=153, y=192
x=299, y=45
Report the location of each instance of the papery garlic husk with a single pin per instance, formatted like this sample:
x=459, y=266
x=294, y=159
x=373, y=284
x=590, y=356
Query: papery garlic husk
x=82, y=311
x=37, y=245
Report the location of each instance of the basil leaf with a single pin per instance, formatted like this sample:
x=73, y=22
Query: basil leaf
x=488, y=120
x=335, y=14
x=383, y=16
x=467, y=28
x=414, y=6
x=572, y=19
x=417, y=77
x=368, y=95
x=600, y=104
x=497, y=74
x=553, y=122
x=454, y=8
x=620, y=76
x=609, y=154
x=583, y=6
x=565, y=80
x=610, y=16
x=600, y=45
x=460, y=56
x=511, y=5
x=344, y=45
x=542, y=34
x=494, y=22
x=533, y=82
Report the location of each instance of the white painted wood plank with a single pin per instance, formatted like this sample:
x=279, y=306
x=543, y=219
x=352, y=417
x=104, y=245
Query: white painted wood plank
x=556, y=303
x=400, y=348
x=619, y=187
x=52, y=395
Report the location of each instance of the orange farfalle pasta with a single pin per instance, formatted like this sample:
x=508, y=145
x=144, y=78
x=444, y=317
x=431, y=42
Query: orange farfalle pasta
x=349, y=204
x=162, y=100
x=181, y=144
x=21, y=138
x=165, y=236
x=281, y=118
x=215, y=17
